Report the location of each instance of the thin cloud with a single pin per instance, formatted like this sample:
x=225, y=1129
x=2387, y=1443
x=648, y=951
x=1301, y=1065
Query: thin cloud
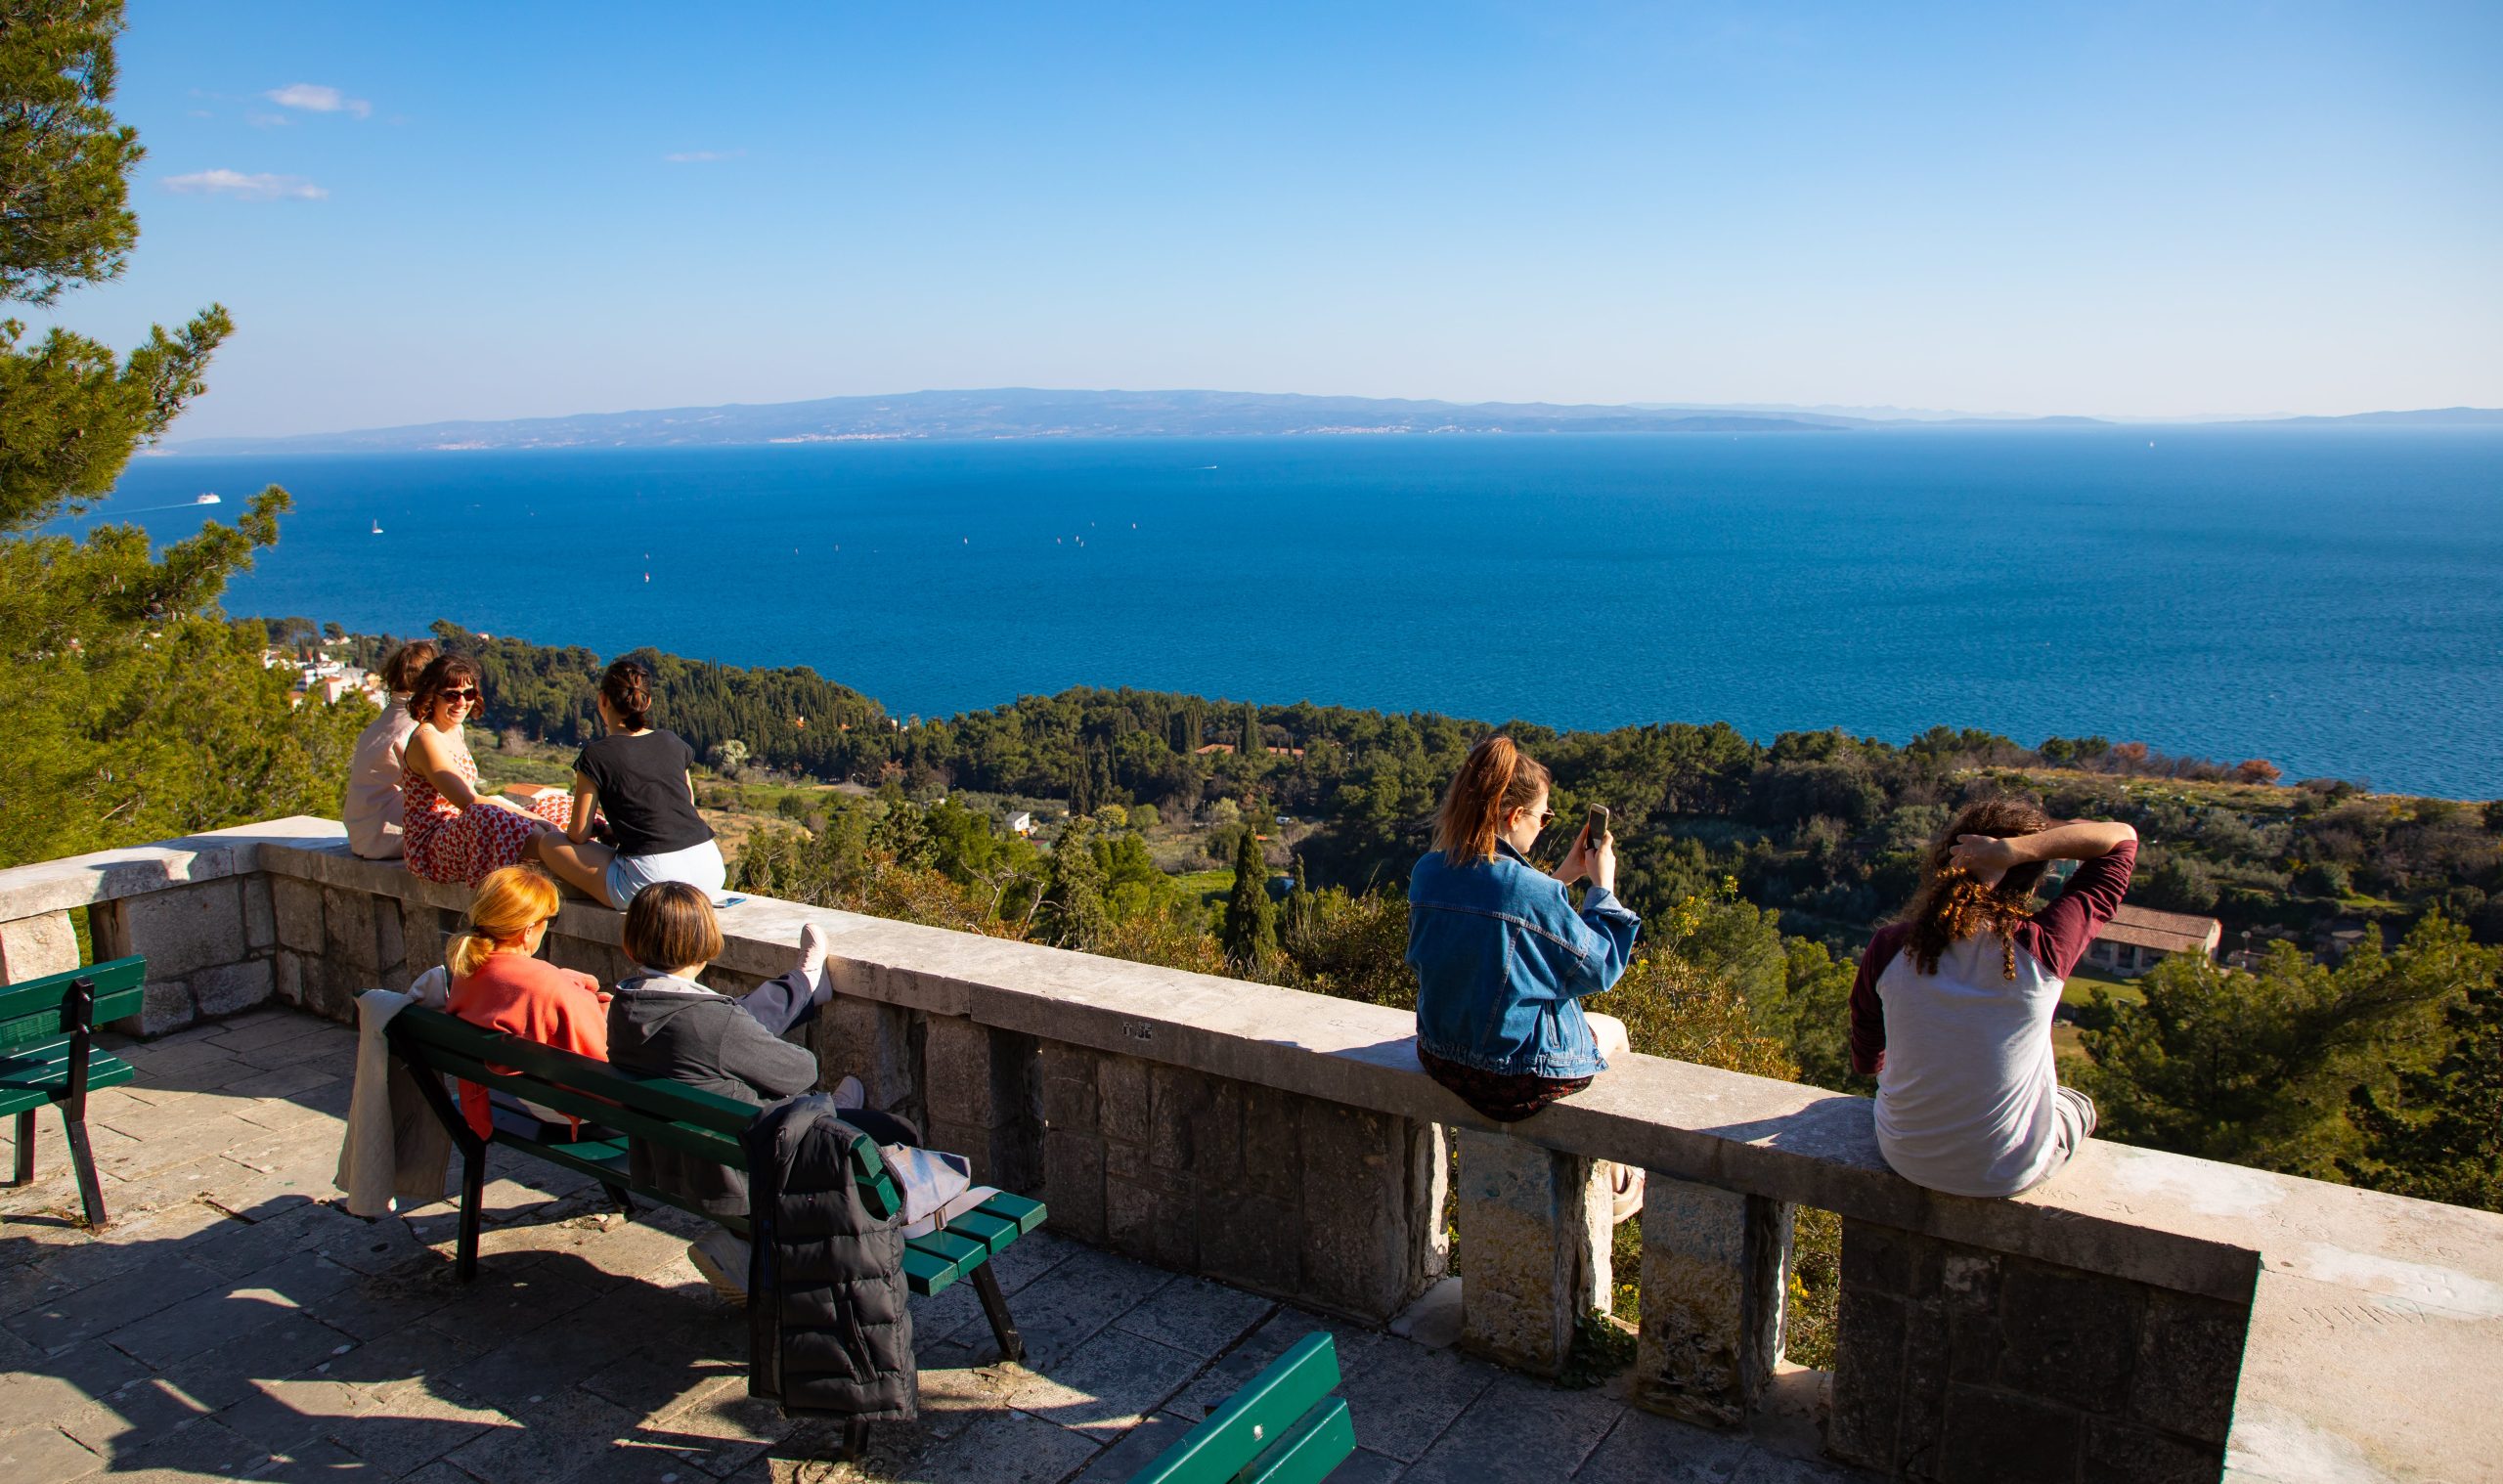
x=245, y=187
x=268, y=121
x=317, y=97
x=701, y=156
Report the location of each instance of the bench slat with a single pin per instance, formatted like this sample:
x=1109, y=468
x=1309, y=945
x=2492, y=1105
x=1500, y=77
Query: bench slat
x=1253, y=1420
x=438, y=1031
x=963, y=1253
x=26, y=1007
x=1027, y=1214
x=925, y=1273
x=992, y=1232
x=1311, y=1449
x=642, y=1125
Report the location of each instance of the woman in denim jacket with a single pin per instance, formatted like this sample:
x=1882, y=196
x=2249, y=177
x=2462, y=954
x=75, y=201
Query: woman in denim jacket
x=1503, y=958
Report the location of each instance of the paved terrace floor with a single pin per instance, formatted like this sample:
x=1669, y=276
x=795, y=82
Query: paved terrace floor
x=234, y=1321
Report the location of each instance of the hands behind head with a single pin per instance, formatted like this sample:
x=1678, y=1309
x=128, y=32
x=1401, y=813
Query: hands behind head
x=1984, y=855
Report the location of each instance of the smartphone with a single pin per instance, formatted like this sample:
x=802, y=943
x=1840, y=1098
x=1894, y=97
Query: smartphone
x=1595, y=825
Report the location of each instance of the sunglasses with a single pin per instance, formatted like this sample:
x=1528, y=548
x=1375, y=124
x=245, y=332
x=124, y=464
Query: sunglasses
x=464, y=693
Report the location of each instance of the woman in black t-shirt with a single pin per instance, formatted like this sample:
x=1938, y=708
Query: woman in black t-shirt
x=639, y=777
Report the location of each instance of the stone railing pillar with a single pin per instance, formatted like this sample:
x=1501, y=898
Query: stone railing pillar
x=1534, y=1238
x=33, y=946
x=1715, y=1265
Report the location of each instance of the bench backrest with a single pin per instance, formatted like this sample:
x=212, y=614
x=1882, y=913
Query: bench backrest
x=668, y=1113
x=1283, y=1427
x=34, y=1010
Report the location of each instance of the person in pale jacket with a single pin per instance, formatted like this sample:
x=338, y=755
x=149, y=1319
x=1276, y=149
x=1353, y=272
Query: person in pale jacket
x=371, y=808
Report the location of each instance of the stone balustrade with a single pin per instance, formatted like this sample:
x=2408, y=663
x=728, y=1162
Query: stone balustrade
x=2141, y=1316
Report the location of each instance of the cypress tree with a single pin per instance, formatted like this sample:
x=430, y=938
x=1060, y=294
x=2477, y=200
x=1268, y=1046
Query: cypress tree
x=1251, y=933
x=1252, y=746
x=1074, y=914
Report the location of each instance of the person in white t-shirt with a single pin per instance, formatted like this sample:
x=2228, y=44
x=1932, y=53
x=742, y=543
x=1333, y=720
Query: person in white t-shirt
x=1952, y=1007
x=371, y=808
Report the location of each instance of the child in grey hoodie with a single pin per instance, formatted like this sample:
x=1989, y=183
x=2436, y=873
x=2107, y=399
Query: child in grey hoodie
x=662, y=1022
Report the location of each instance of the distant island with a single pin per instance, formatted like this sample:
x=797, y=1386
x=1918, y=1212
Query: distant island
x=1026, y=412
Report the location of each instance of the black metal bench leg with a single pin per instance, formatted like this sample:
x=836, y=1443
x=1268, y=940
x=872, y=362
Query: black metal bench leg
x=618, y=1198
x=856, y=1439
x=994, y=1307
x=473, y=1195
x=91, y=1193
x=26, y=1148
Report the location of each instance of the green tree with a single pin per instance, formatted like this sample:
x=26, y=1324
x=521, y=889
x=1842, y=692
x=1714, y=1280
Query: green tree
x=2438, y=1134
x=1251, y=745
x=1251, y=933
x=133, y=708
x=2257, y=1067
x=1072, y=911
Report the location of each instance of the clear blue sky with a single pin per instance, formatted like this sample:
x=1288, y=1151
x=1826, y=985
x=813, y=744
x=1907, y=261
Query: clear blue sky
x=2161, y=209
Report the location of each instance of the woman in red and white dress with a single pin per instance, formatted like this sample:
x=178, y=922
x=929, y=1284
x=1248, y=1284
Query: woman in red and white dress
x=450, y=832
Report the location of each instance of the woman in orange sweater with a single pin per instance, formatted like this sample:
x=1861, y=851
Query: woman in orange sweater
x=499, y=981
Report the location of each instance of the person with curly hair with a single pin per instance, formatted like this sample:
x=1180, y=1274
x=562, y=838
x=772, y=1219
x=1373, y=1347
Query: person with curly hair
x=1951, y=1010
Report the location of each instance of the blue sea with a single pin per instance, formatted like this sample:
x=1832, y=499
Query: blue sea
x=2331, y=599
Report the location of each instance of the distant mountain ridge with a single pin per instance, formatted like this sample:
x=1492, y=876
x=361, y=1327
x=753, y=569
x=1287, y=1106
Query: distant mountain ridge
x=1029, y=412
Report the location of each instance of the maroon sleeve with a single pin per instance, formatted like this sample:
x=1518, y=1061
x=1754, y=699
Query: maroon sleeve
x=1867, y=1012
x=2060, y=934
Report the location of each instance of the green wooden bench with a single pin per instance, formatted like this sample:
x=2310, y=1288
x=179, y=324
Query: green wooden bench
x=48, y=1056
x=1283, y=1427
x=675, y=1116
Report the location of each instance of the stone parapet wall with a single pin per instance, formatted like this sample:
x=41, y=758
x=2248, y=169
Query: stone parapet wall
x=2094, y=1327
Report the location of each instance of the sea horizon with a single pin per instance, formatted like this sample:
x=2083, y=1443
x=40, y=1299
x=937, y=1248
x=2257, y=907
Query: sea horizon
x=2327, y=598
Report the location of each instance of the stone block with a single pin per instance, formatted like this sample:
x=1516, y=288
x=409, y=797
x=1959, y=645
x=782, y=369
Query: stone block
x=421, y=940
x=260, y=915
x=349, y=937
x=1869, y=1375
x=1715, y=1263
x=1994, y=1438
x=2068, y=1337
x=286, y=976
x=1074, y=1183
x=231, y=987
x=1525, y=1229
x=2189, y=1364
x=164, y=1005
x=1151, y=1223
x=188, y=928
x=1272, y=1138
x=297, y=906
x=390, y=944
x=2117, y=1453
x=1249, y=1241
x=33, y=946
x=1121, y=1084
x=1372, y=1234
x=1071, y=1101
x=1177, y=1098
x=1016, y=1112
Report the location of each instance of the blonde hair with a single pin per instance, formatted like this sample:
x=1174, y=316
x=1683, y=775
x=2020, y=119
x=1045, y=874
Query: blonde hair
x=1497, y=778
x=508, y=904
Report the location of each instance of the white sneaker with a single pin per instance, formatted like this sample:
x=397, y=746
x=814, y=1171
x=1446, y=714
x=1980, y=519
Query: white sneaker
x=1626, y=1193
x=813, y=956
x=722, y=1260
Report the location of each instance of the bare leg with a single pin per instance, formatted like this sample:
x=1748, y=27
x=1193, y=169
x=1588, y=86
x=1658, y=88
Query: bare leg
x=584, y=866
x=1625, y=1182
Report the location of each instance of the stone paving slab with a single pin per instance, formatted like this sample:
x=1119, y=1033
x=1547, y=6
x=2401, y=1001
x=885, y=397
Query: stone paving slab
x=237, y=1322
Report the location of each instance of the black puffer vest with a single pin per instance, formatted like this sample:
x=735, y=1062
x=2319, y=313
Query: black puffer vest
x=829, y=1328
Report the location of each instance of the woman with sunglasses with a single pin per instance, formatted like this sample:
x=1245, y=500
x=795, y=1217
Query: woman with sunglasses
x=1502, y=957
x=450, y=831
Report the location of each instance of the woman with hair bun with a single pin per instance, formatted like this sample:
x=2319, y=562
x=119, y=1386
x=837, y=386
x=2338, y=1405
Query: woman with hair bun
x=1502, y=957
x=1952, y=1006
x=371, y=808
x=500, y=981
x=643, y=779
x=450, y=831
